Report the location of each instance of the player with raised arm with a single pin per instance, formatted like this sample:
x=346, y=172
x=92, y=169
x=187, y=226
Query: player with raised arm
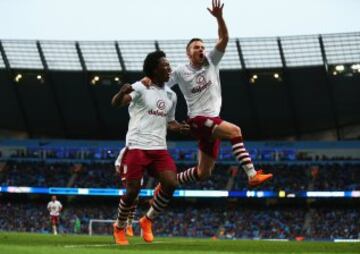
x=54, y=207
x=152, y=111
x=199, y=82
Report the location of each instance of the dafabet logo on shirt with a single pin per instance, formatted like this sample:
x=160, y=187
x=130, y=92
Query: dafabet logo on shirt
x=161, y=106
x=202, y=84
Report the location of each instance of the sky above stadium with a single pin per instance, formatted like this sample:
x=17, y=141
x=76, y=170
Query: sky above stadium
x=172, y=19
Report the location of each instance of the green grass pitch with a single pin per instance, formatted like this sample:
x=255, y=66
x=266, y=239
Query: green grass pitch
x=25, y=243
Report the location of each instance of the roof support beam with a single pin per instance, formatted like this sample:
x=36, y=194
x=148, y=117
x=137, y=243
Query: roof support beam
x=48, y=79
x=290, y=97
x=252, y=104
x=11, y=74
x=330, y=89
x=101, y=132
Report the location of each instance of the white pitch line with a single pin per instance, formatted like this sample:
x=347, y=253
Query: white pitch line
x=89, y=245
x=156, y=242
x=110, y=244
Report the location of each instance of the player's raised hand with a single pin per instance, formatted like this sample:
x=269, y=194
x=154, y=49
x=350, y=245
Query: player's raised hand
x=217, y=9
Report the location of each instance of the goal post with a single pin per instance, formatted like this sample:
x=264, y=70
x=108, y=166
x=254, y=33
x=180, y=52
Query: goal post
x=94, y=221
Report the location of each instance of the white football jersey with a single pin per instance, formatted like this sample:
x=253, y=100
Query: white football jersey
x=201, y=87
x=150, y=110
x=54, y=207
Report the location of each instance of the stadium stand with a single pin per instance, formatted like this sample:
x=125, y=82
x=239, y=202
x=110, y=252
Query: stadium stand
x=189, y=220
x=330, y=176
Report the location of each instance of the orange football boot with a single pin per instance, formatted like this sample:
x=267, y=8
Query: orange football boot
x=129, y=230
x=119, y=236
x=259, y=178
x=146, y=229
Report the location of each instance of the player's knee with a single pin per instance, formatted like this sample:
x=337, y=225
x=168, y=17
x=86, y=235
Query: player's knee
x=132, y=194
x=131, y=197
x=235, y=131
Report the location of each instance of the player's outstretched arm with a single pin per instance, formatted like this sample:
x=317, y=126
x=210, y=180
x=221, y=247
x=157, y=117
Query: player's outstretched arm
x=217, y=12
x=122, y=98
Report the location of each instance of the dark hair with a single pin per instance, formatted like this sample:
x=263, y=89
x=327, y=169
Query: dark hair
x=191, y=41
x=152, y=61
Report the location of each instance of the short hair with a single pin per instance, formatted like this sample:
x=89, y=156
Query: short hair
x=191, y=41
x=152, y=61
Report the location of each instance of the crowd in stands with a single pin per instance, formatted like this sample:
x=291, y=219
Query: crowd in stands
x=97, y=176
x=35, y=174
x=225, y=222
x=189, y=153
x=344, y=223
x=337, y=177
x=233, y=223
x=288, y=177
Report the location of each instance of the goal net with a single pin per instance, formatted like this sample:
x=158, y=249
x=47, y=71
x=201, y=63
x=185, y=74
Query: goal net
x=102, y=227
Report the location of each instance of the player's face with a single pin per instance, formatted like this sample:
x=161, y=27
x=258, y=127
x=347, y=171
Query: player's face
x=196, y=52
x=163, y=70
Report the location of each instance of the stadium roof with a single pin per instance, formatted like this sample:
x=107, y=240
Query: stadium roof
x=298, y=51
x=272, y=87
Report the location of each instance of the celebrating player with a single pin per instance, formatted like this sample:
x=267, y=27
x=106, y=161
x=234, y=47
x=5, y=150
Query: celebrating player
x=199, y=81
x=152, y=111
